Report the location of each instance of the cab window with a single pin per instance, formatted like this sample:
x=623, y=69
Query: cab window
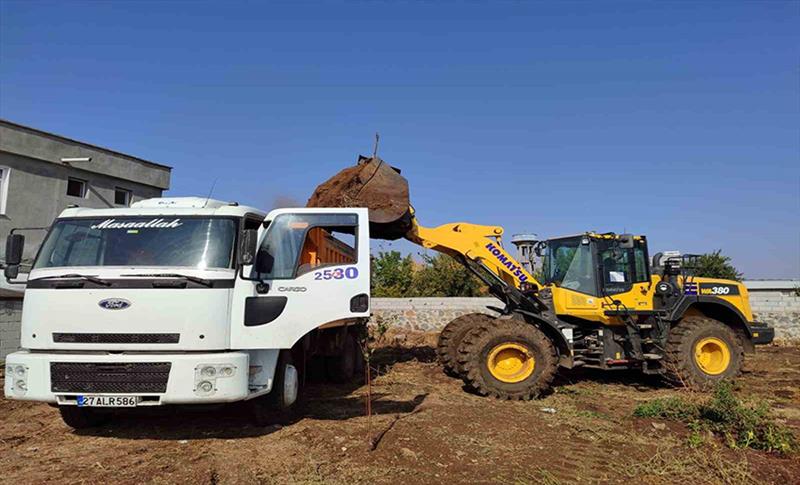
x=569, y=265
x=622, y=267
x=299, y=243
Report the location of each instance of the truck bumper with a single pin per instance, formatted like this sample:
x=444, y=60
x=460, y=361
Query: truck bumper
x=761, y=333
x=155, y=379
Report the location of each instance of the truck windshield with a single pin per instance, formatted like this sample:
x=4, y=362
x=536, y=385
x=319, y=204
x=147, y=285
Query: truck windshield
x=140, y=241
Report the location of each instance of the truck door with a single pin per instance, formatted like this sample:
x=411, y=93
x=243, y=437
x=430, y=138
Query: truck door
x=312, y=268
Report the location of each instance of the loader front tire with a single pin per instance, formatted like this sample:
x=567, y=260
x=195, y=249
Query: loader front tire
x=508, y=359
x=701, y=352
x=450, y=338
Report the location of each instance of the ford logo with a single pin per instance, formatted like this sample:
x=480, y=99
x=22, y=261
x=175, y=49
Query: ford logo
x=114, y=304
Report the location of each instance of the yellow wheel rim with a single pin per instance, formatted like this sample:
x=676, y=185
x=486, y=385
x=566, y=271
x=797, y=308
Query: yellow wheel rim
x=511, y=362
x=712, y=355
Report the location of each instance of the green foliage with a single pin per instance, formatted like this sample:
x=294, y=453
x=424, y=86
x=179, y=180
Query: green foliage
x=392, y=274
x=741, y=425
x=396, y=276
x=715, y=265
x=443, y=276
x=669, y=408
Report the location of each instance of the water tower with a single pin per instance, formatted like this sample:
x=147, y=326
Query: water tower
x=525, y=244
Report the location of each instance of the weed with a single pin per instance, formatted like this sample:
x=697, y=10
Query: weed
x=671, y=464
x=592, y=415
x=670, y=408
x=724, y=414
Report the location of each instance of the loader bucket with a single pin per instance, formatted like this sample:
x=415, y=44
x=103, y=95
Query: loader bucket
x=376, y=185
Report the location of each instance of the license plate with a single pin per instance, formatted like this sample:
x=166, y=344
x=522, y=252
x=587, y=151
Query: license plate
x=107, y=401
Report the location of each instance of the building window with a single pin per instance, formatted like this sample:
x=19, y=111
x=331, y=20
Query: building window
x=4, y=174
x=76, y=187
x=122, y=196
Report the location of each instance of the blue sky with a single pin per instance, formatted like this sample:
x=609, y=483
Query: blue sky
x=679, y=120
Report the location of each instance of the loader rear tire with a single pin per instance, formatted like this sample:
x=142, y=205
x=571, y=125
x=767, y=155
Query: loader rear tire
x=701, y=352
x=508, y=359
x=450, y=338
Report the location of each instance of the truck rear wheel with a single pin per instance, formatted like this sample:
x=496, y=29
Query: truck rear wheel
x=79, y=418
x=450, y=338
x=508, y=360
x=285, y=400
x=702, y=351
x=341, y=368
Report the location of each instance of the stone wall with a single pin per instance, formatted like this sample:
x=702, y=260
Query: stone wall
x=778, y=308
x=10, y=311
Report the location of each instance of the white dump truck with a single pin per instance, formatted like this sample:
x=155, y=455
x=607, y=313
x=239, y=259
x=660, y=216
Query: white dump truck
x=188, y=301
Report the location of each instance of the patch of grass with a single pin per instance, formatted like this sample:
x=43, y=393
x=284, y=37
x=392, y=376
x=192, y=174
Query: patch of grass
x=740, y=424
x=592, y=415
x=673, y=408
x=670, y=464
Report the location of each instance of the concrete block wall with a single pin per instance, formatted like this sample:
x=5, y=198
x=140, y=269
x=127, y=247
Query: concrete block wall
x=781, y=309
x=10, y=311
x=426, y=314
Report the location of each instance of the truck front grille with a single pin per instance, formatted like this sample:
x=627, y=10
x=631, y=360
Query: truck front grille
x=116, y=338
x=90, y=377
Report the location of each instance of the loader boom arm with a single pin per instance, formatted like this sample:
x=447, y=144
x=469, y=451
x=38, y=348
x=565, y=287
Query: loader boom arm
x=477, y=244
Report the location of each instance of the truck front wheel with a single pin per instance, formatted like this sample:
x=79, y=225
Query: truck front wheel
x=285, y=400
x=79, y=418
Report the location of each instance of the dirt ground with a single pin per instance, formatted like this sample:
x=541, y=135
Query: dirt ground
x=433, y=432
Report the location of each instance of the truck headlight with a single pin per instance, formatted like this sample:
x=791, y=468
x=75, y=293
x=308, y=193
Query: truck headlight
x=20, y=385
x=206, y=375
x=20, y=371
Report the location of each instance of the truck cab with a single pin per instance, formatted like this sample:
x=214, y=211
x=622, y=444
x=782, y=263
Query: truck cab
x=188, y=301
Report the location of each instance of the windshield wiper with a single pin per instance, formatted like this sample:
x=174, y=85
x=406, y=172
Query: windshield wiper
x=93, y=279
x=193, y=279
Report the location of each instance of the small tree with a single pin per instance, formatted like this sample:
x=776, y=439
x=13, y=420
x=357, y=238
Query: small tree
x=392, y=274
x=715, y=265
x=441, y=275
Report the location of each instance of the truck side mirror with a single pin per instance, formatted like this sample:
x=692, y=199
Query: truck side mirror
x=247, y=246
x=15, y=243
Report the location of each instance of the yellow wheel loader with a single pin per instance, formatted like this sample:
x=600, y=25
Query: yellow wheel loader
x=600, y=304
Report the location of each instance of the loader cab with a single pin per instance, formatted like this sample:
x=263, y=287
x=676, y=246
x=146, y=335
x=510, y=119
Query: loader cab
x=596, y=264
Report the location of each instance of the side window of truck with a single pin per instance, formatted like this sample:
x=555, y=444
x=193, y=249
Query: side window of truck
x=300, y=243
